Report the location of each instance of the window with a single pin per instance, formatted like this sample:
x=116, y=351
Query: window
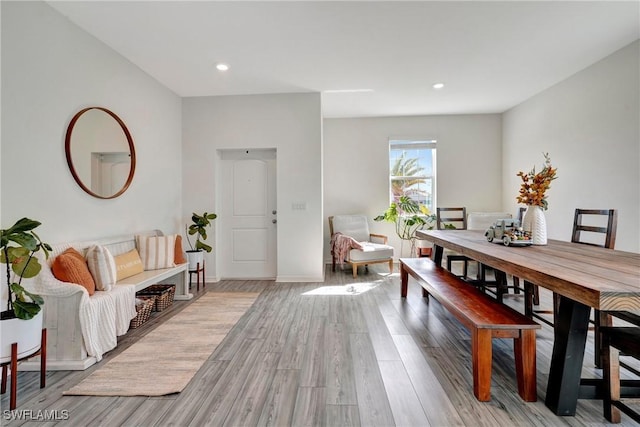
x=412, y=171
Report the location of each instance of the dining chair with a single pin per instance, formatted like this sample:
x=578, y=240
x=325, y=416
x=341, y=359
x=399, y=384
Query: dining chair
x=482, y=221
x=601, y=232
x=616, y=341
x=453, y=218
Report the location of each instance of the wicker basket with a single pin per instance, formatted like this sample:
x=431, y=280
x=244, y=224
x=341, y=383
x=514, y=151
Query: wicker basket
x=164, y=295
x=143, y=311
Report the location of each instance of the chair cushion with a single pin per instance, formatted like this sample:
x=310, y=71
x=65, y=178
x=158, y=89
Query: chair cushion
x=355, y=226
x=371, y=252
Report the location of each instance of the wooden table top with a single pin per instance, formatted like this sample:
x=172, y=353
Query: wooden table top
x=600, y=278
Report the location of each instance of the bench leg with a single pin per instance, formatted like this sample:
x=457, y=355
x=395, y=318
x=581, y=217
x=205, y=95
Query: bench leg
x=391, y=265
x=481, y=348
x=524, y=349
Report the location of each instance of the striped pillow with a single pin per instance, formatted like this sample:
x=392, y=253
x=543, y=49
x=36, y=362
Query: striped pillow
x=102, y=267
x=156, y=251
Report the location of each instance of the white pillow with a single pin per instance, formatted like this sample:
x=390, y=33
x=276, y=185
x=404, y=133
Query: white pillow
x=156, y=251
x=102, y=267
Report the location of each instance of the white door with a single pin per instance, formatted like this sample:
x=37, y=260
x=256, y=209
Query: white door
x=248, y=218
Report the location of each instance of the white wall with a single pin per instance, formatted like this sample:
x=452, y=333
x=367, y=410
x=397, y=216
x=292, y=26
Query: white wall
x=590, y=125
x=50, y=70
x=356, y=164
x=289, y=123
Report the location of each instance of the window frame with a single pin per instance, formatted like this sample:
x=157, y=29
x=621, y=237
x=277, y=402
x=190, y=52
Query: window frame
x=396, y=144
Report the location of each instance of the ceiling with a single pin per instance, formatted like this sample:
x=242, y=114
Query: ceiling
x=490, y=55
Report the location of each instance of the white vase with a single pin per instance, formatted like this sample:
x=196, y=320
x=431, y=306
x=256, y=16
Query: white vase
x=195, y=257
x=27, y=333
x=535, y=222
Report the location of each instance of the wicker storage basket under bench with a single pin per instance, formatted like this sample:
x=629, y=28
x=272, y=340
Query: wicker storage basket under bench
x=164, y=295
x=144, y=306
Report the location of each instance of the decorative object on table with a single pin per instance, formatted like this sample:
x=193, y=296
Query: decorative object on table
x=199, y=228
x=408, y=217
x=533, y=194
x=509, y=232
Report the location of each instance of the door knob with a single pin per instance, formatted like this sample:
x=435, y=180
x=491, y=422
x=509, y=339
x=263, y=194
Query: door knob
x=274, y=221
x=274, y=212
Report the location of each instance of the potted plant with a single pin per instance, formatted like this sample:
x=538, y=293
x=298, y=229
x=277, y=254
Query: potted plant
x=408, y=217
x=21, y=322
x=199, y=228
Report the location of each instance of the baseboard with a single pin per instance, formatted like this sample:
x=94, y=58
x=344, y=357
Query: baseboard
x=58, y=365
x=305, y=279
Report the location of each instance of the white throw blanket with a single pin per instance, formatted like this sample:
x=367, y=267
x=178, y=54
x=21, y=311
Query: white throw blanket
x=103, y=317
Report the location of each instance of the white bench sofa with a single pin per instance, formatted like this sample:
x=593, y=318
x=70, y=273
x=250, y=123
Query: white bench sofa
x=81, y=328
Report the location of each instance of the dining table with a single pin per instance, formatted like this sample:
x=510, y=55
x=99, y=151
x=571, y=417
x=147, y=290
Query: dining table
x=583, y=277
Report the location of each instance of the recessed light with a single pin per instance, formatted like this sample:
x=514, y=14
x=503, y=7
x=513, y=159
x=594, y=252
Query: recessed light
x=222, y=67
x=438, y=85
x=347, y=90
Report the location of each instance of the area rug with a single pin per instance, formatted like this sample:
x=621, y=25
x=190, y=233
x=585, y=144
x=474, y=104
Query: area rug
x=166, y=359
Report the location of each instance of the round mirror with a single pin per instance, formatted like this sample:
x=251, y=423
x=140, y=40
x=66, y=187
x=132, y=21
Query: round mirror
x=100, y=152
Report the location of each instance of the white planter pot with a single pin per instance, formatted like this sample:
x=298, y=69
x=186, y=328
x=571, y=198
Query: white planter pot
x=27, y=333
x=194, y=258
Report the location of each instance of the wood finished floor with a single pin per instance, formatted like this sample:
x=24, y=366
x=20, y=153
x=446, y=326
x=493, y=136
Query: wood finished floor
x=307, y=354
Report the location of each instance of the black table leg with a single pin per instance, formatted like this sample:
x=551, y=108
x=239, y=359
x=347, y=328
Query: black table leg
x=437, y=255
x=571, y=328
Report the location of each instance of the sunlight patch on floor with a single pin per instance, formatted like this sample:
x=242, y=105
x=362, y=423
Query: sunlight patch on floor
x=350, y=289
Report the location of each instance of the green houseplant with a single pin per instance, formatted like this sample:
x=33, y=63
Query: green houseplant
x=21, y=323
x=198, y=227
x=408, y=217
x=18, y=245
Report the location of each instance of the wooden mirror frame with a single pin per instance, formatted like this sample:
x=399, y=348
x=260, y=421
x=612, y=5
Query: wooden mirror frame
x=67, y=150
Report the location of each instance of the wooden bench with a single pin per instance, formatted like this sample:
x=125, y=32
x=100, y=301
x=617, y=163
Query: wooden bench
x=485, y=318
x=66, y=349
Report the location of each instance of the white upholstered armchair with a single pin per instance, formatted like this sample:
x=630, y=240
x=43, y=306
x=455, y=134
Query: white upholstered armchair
x=352, y=242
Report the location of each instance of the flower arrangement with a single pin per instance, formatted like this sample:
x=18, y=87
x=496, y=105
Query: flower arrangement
x=534, y=185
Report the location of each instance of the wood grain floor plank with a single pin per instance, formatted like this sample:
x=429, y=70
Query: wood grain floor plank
x=310, y=407
x=247, y=406
x=294, y=347
x=343, y=416
x=372, y=397
x=280, y=402
x=405, y=405
x=218, y=402
x=314, y=366
x=340, y=384
x=434, y=399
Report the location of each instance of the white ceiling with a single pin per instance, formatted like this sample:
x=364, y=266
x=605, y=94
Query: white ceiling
x=491, y=55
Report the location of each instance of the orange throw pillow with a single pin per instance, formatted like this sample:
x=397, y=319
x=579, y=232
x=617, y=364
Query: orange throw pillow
x=178, y=254
x=70, y=266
